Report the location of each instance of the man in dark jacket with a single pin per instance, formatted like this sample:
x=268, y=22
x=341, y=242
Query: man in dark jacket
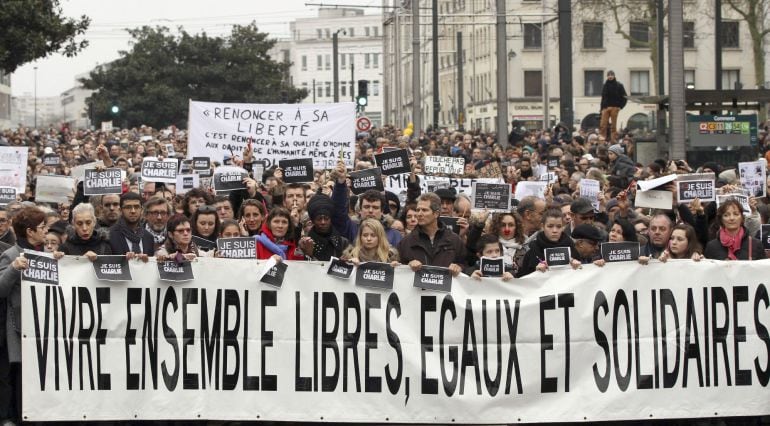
x=127, y=235
x=432, y=243
x=613, y=100
x=620, y=164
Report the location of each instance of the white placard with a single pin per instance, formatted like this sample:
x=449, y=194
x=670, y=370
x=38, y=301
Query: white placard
x=645, y=185
x=530, y=189
x=753, y=176
x=54, y=189
x=397, y=184
x=79, y=172
x=277, y=131
x=187, y=182
x=444, y=165
x=13, y=167
x=654, y=199
x=590, y=188
x=166, y=173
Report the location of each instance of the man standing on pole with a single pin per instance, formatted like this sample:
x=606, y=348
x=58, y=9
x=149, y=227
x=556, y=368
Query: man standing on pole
x=613, y=100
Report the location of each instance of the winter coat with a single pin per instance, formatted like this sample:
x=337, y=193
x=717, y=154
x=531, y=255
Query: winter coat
x=447, y=248
x=715, y=250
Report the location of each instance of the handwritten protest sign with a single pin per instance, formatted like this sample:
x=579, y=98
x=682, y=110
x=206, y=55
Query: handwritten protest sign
x=276, y=131
x=444, y=165
x=13, y=167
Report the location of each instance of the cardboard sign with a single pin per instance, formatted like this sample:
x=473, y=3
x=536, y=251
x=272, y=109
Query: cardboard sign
x=589, y=189
x=654, y=199
x=274, y=275
x=204, y=243
x=51, y=160
x=492, y=266
x=742, y=198
x=112, y=268
x=620, y=252
x=298, y=170
x=753, y=176
x=433, y=278
x=552, y=162
x=646, y=185
x=176, y=272
x=7, y=195
x=237, y=248
x=154, y=170
x=435, y=165
x=202, y=166
x=13, y=167
x=495, y=197
x=491, y=170
x=42, y=268
x=79, y=172
x=558, y=257
x=530, y=189
x=451, y=223
x=548, y=178
x=375, y=275
x=171, y=152
x=229, y=178
x=339, y=268
x=364, y=180
x=393, y=162
x=54, y=189
x=696, y=185
x=101, y=182
x=766, y=237
x=185, y=183
x=106, y=126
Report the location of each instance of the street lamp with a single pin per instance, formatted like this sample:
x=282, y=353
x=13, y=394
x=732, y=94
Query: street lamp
x=336, y=71
x=35, y=68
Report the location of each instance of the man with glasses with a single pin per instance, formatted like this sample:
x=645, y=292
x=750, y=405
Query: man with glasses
x=587, y=239
x=156, y=213
x=6, y=235
x=127, y=236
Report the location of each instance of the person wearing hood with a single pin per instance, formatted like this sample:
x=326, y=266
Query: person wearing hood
x=322, y=241
x=620, y=164
x=85, y=239
x=613, y=100
x=551, y=236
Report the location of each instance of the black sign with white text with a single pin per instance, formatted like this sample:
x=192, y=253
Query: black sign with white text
x=450, y=222
x=201, y=164
x=553, y=162
x=204, y=243
x=51, y=160
x=101, y=182
x=393, y=162
x=363, y=180
x=112, y=268
x=339, y=268
x=177, y=272
x=7, y=195
x=274, y=276
x=229, y=179
x=298, y=170
x=492, y=266
x=375, y=275
x=620, y=252
x=766, y=237
x=491, y=196
x=41, y=269
x=689, y=190
x=237, y=248
x=557, y=257
x=433, y=278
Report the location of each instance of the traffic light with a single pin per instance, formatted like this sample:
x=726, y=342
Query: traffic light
x=114, y=109
x=363, y=93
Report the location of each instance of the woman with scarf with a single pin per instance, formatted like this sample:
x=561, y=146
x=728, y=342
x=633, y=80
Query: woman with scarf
x=733, y=241
x=85, y=240
x=322, y=241
x=30, y=229
x=275, y=240
x=179, y=246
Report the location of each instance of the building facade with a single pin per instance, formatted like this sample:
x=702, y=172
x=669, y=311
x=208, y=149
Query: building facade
x=28, y=110
x=5, y=101
x=600, y=44
x=360, y=43
x=73, y=104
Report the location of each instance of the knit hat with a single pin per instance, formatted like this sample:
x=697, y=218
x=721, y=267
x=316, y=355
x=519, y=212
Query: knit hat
x=587, y=232
x=320, y=204
x=611, y=73
x=617, y=149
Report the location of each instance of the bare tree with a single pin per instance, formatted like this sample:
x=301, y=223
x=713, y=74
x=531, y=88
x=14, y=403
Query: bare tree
x=755, y=13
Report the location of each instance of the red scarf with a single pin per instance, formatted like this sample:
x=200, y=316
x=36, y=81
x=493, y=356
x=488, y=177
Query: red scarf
x=730, y=242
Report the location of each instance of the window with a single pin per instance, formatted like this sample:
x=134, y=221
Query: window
x=376, y=60
x=376, y=88
x=350, y=58
x=328, y=86
x=351, y=32
x=342, y=61
x=328, y=62
x=376, y=31
x=688, y=32
x=640, y=83
x=593, y=35
x=328, y=33
x=320, y=90
x=689, y=77
x=593, y=83
x=319, y=33
x=731, y=79
x=533, y=83
x=304, y=62
x=730, y=35
x=533, y=36
x=343, y=88
x=367, y=60
x=367, y=30
x=319, y=62
x=640, y=35
x=304, y=87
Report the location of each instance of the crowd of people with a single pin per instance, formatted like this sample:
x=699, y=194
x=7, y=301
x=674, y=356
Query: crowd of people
x=323, y=219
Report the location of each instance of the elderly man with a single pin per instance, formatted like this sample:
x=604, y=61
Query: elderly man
x=156, y=214
x=659, y=232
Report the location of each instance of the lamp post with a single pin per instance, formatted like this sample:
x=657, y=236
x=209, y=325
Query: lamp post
x=335, y=62
x=35, y=114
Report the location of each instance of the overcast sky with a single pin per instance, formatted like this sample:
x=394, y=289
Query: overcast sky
x=107, y=36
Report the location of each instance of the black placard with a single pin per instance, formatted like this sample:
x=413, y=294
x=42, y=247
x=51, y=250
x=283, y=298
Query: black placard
x=112, y=268
x=229, y=180
x=433, y=278
x=689, y=190
x=492, y=266
x=557, y=257
x=451, y=223
x=299, y=170
x=274, y=276
x=205, y=244
x=339, y=268
x=7, y=195
x=237, y=248
x=41, y=269
x=101, y=182
x=375, y=275
x=177, y=272
x=766, y=237
x=552, y=162
x=620, y=252
x=393, y=162
x=51, y=160
x=364, y=180
x=491, y=196
x=201, y=164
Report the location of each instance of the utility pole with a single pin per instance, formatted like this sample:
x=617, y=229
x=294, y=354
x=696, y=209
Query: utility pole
x=676, y=107
x=436, y=100
x=661, y=48
x=313, y=90
x=35, y=98
x=416, y=101
x=567, y=114
x=502, y=73
x=399, y=98
x=335, y=65
x=546, y=100
x=460, y=94
x=352, y=80
x=717, y=43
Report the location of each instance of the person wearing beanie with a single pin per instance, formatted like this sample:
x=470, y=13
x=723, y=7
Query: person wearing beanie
x=322, y=242
x=620, y=164
x=613, y=100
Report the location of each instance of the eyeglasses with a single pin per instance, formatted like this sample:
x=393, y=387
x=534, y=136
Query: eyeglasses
x=183, y=230
x=42, y=226
x=3, y=220
x=158, y=213
x=207, y=209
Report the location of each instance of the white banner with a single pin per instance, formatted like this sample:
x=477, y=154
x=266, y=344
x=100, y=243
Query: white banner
x=626, y=341
x=13, y=167
x=324, y=132
x=397, y=184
